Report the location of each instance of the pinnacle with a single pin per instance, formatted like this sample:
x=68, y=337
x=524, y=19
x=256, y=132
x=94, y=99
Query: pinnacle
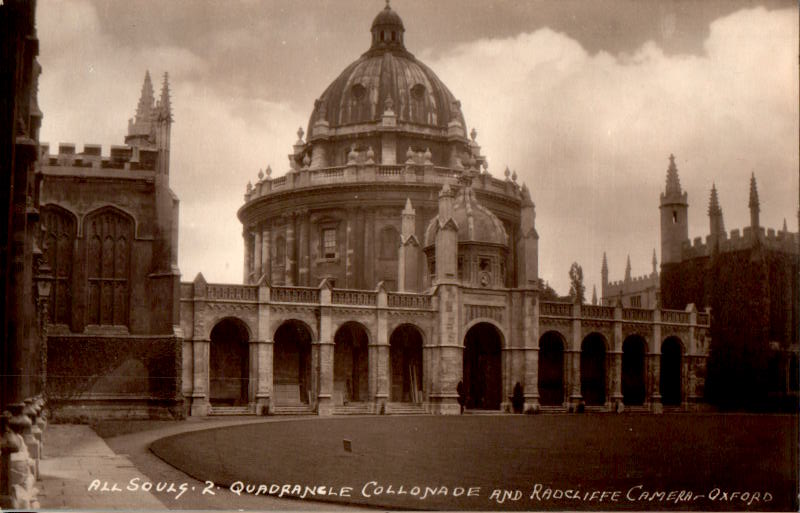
x=754, y=203
x=165, y=102
x=673, y=181
x=713, y=202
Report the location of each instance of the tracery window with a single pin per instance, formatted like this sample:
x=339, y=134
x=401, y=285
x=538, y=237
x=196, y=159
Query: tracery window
x=109, y=234
x=60, y=229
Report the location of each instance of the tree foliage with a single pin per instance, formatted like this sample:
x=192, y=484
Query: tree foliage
x=577, y=291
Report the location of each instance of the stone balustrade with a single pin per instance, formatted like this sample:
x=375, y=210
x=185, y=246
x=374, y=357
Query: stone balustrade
x=404, y=300
x=370, y=172
x=565, y=310
x=294, y=295
x=233, y=292
x=354, y=297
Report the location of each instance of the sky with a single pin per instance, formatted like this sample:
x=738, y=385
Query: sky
x=584, y=100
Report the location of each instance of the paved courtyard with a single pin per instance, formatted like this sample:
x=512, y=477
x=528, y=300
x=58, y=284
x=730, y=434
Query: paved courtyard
x=633, y=462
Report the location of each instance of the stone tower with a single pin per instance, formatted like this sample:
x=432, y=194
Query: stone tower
x=674, y=217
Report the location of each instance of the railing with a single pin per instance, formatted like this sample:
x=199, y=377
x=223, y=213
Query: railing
x=294, y=295
x=555, y=309
x=334, y=174
x=637, y=314
x=354, y=297
x=675, y=316
x=703, y=319
x=233, y=292
x=390, y=170
x=373, y=172
x=399, y=300
x=597, y=312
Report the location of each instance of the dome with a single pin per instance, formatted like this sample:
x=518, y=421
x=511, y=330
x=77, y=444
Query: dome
x=386, y=77
x=387, y=18
x=476, y=223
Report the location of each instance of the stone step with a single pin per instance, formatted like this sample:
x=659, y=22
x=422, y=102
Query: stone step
x=405, y=409
x=292, y=410
x=485, y=412
x=231, y=410
x=552, y=409
x=352, y=409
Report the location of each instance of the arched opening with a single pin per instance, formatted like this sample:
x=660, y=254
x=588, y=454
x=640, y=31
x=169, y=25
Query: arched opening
x=405, y=354
x=633, y=375
x=291, y=364
x=593, y=370
x=671, y=363
x=228, y=363
x=350, y=364
x=482, y=367
x=551, y=369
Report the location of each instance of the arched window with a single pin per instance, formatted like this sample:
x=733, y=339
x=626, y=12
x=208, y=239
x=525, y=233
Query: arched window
x=59, y=239
x=109, y=234
x=390, y=241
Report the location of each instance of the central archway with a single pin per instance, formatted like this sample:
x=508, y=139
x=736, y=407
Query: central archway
x=228, y=363
x=483, y=380
x=405, y=353
x=551, y=369
x=593, y=370
x=633, y=375
x=350, y=364
x=291, y=364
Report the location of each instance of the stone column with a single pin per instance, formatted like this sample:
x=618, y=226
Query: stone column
x=302, y=243
x=325, y=351
x=266, y=247
x=200, y=404
x=575, y=396
x=290, y=250
x=530, y=336
x=247, y=256
x=349, y=244
x=256, y=254
x=654, y=371
x=616, y=361
x=381, y=351
x=369, y=248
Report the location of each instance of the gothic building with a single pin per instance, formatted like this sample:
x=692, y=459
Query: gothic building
x=749, y=280
x=632, y=291
x=387, y=266
x=110, y=237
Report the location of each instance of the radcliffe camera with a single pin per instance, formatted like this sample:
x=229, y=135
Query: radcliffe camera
x=399, y=255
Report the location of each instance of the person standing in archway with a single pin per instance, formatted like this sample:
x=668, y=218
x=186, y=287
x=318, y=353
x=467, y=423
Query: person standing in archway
x=460, y=391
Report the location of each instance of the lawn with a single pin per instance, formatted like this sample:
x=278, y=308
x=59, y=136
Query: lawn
x=591, y=461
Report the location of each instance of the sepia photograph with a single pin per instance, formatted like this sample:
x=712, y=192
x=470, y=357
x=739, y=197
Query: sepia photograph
x=463, y=255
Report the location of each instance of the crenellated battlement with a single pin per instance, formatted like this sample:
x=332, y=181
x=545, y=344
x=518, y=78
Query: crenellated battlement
x=124, y=157
x=740, y=240
x=644, y=280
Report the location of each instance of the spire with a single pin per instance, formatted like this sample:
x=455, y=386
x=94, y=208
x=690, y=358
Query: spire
x=628, y=269
x=144, y=110
x=713, y=202
x=594, y=295
x=655, y=262
x=754, y=203
x=604, y=269
x=785, y=228
x=673, y=182
x=165, y=104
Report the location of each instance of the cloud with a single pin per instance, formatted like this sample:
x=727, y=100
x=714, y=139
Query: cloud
x=219, y=141
x=590, y=134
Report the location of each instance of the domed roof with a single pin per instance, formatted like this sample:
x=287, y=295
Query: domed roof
x=387, y=76
x=476, y=223
x=388, y=18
